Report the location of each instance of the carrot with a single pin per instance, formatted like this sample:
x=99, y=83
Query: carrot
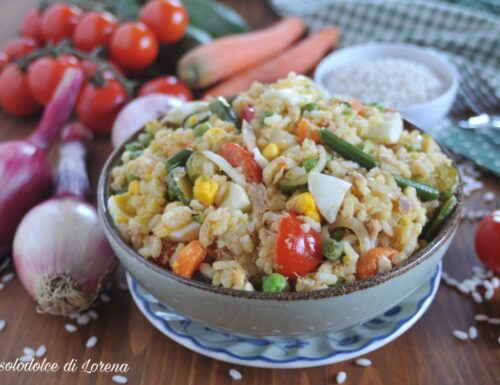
x=301, y=58
x=189, y=259
x=368, y=262
x=305, y=130
x=224, y=57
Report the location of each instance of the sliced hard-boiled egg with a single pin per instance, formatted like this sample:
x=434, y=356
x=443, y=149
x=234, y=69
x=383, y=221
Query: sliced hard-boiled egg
x=235, y=198
x=328, y=193
x=385, y=129
x=187, y=233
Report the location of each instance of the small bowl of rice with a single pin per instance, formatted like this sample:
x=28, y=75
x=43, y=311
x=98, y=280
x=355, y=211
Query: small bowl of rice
x=418, y=82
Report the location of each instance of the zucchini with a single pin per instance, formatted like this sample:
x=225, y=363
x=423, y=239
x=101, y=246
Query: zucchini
x=215, y=18
x=347, y=150
x=169, y=55
x=179, y=186
x=223, y=110
x=198, y=165
x=196, y=118
x=424, y=191
x=444, y=179
x=178, y=159
x=437, y=221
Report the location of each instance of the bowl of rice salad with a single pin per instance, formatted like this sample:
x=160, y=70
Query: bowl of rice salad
x=281, y=211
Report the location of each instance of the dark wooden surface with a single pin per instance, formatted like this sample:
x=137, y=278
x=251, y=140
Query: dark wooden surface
x=425, y=355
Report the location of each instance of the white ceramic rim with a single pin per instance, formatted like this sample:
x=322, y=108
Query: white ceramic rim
x=398, y=50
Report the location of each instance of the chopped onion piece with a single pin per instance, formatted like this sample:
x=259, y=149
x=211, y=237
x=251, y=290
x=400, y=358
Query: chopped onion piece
x=359, y=229
x=178, y=114
x=226, y=167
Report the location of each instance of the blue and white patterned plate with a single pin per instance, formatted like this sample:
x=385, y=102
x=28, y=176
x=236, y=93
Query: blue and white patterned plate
x=294, y=353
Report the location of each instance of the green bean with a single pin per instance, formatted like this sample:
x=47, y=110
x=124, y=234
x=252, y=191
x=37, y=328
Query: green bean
x=178, y=159
x=347, y=150
x=424, y=191
x=274, y=283
x=332, y=249
x=437, y=221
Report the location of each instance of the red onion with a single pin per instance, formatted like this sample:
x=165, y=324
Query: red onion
x=61, y=254
x=25, y=175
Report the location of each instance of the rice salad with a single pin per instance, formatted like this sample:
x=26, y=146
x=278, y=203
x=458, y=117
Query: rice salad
x=280, y=188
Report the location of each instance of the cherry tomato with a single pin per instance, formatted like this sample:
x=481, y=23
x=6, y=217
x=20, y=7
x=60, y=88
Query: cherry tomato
x=297, y=252
x=20, y=46
x=169, y=85
x=59, y=21
x=4, y=59
x=32, y=25
x=238, y=156
x=45, y=73
x=133, y=46
x=94, y=30
x=368, y=263
x=98, y=106
x=15, y=95
x=488, y=241
x=168, y=19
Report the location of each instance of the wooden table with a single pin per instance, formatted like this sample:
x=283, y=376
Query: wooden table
x=427, y=354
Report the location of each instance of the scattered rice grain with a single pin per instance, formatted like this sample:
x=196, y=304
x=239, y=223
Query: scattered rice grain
x=494, y=321
x=481, y=317
x=28, y=351
x=363, y=362
x=83, y=319
x=489, y=294
x=2, y=324
x=460, y=335
x=91, y=342
x=495, y=282
x=463, y=289
x=40, y=352
x=1, y=286
x=489, y=196
x=70, y=328
x=7, y=277
x=25, y=358
x=93, y=314
x=105, y=297
x=235, y=374
x=472, y=333
x=477, y=297
x=119, y=379
x=341, y=377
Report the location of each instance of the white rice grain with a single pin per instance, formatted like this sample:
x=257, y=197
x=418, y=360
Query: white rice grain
x=93, y=314
x=235, y=374
x=477, y=297
x=91, y=342
x=463, y=289
x=363, y=362
x=472, y=333
x=70, y=328
x=40, y=352
x=2, y=324
x=489, y=294
x=495, y=282
x=494, y=321
x=119, y=379
x=489, y=196
x=105, y=297
x=83, y=319
x=498, y=340
x=25, y=358
x=451, y=282
x=341, y=377
x=1, y=286
x=481, y=317
x=7, y=277
x=28, y=351
x=460, y=335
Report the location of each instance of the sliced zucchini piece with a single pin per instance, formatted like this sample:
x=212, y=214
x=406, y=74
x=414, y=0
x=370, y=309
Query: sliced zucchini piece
x=198, y=165
x=179, y=186
x=223, y=110
x=178, y=159
x=196, y=118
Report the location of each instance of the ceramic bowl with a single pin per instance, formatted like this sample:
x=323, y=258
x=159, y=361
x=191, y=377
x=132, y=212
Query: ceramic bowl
x=290, y=314
x=425, y=115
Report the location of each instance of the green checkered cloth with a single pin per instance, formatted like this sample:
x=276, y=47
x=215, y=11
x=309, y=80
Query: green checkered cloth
x=463, y=35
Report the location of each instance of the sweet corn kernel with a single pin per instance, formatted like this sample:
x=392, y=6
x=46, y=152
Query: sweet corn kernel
x=122, y=203
x=205, y=189
x=304, y=204
x=271, y=151
x=134, y=187
x=214, y=135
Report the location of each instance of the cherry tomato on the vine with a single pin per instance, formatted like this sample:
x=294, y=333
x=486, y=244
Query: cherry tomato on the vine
x=168, y=19
x=45, y=73
x=32, y=25
x=169, y=85
x=4, y=59
x=297, y=252
x=133, y=46
x=488, y=241
x=98, y=105
x=59, y=21
x=20, y=46
x=15, y=95
x=94, y=30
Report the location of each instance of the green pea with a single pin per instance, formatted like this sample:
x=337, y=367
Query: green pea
x=332, y=250
x=274, y=283
x=338, y=233
x=134, y=146
x=200, y=129
x=309, y=107
x=309, y=164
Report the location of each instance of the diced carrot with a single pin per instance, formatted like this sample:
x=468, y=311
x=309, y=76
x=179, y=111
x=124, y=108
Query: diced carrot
x=229, y=55
x=300, y=58
x=305, y=130
x=189, y=259
x=368, y=263
x=355, y=103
